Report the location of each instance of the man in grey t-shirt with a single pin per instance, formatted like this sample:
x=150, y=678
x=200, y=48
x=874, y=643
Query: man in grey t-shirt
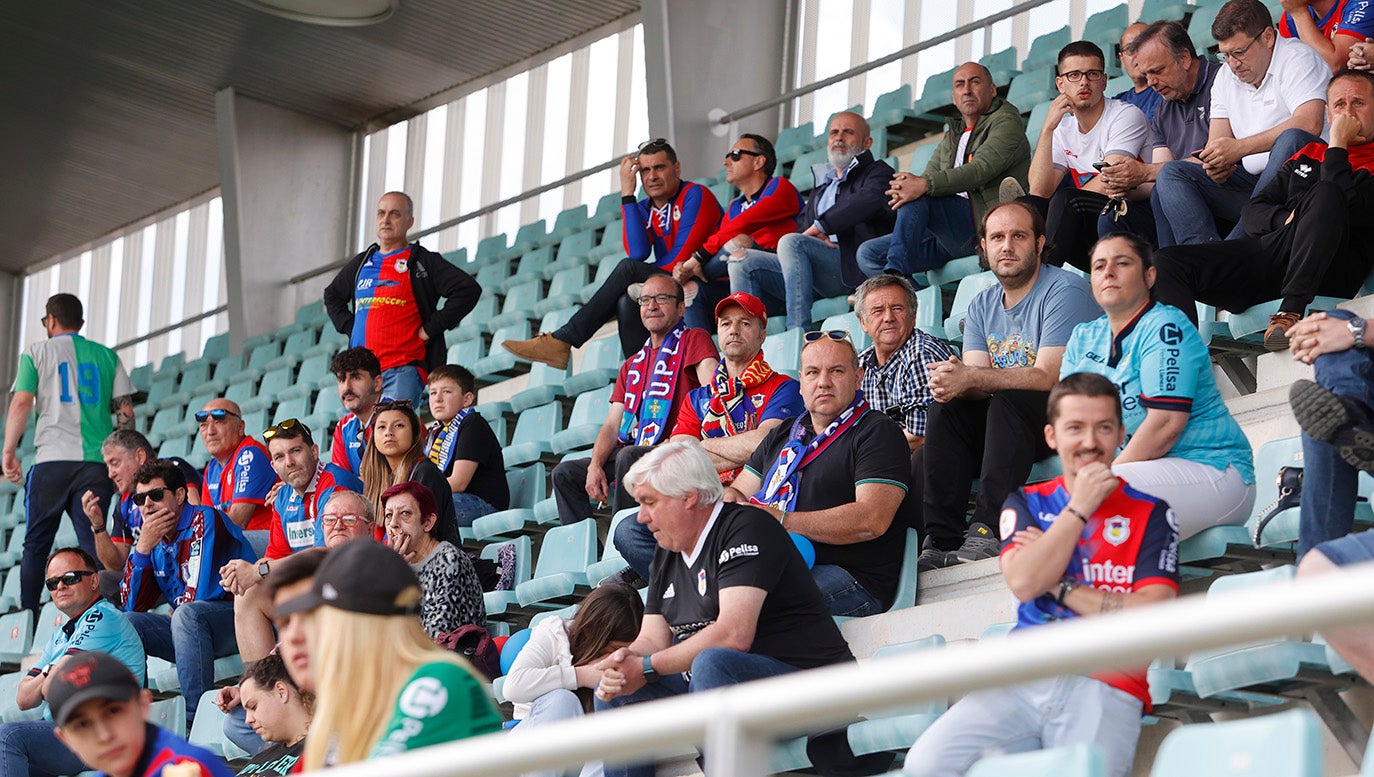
x=989, y=412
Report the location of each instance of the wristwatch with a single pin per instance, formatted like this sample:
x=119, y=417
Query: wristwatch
x=650, y=676
x=263, y=569
x=1356, y=326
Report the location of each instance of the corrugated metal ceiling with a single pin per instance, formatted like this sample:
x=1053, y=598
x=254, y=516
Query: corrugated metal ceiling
x=108, y=110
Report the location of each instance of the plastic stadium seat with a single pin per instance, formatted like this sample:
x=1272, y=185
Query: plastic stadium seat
x=170, y=714
x=795, y=141
x=930, y=311
x=849, y=321
x=1166, y=10
x=607, y=211
x=297, y=408
x=466, y=353
x=520, y=303
x=293, y=351
x=612, y=244
x=16, y=631
x=892, y=108
x=969, y=288
x=1282, y=530
x=527, y=486
x=937, y=92
x=500, y=361
x=490, y=248
x=9, y=595
x=531, y=266
x=564, y=291
x=1032, y=87
x=906, y=580
x=567, y=222
x=920, y=157
x=822, y=309
x=783, y=351
x=599, y=366
x=1044, y=50
x=560, y=574
x=532, y=433
x=1106, y=27
x=208, y=729
x=1173, y=695
x=1284, y=744
x=1036, y=120
x=545, y=385
x=531, y=235
x=499, y=602
x=1080, y=760
x=584, y=422
x=167, y=419
x=261, y=355
x=574, y=251
x=308, y=374
x=898, y=729
x=9, y=707
x=1249, y=324
x=142, y=376
x=195, y=373
x=603, y=271
x=49, y=619
x=172, y=363
x=254, y=422
x=272, y=383
x=15, y=549
x=457, y=258
x=1002, y=64
x=611, y=560
x=1115, y=85
x=179, y=445
x=162, y=675
x=803, y=175
x=491, y=274
x=478, y=322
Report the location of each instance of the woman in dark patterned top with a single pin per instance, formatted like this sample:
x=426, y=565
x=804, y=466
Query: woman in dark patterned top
x=452, y=592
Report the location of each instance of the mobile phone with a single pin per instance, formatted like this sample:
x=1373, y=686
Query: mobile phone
x=1100, y=165
x=1197, y=155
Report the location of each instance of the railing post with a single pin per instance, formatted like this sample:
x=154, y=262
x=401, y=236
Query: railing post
x=733, y=751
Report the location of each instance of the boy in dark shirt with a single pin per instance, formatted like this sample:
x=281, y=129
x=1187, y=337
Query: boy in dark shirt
x=462, y=445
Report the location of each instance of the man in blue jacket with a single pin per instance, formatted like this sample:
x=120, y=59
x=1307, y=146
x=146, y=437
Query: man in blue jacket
x=847, y=207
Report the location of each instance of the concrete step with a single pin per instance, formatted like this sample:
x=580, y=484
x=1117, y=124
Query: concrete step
x=1279, y=370
x=1264, y=415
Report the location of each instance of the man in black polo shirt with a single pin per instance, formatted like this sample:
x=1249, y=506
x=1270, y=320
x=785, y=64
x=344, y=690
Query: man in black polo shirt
x=838, y=475
x=730, y=599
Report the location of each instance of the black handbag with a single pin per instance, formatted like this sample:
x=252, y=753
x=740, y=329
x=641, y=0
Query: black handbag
x=1289, y=483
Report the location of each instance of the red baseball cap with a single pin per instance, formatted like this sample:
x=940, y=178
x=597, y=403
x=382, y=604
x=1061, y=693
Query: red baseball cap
x=751, y=304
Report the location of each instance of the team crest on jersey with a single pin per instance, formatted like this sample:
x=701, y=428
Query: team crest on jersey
x=1116, y=530
x=677, y=213
x=758, y=400
x=1007, y=523
x=701, y=582
x=402, y=264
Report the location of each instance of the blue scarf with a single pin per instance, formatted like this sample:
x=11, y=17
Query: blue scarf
x=784, y=477
x=445, y=437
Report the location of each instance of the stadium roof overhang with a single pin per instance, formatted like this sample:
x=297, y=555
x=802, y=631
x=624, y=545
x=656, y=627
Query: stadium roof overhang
x=108, y=105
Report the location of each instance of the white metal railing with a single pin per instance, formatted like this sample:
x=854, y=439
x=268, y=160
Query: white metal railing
x=738, y=726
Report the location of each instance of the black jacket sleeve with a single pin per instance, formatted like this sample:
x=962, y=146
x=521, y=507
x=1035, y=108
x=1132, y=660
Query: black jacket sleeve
x=1270, y=208
x=459, y=290
x=338, y=295
x=865, y=202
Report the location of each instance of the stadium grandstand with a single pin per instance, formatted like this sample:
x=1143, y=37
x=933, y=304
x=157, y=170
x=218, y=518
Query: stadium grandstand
x=196, y=173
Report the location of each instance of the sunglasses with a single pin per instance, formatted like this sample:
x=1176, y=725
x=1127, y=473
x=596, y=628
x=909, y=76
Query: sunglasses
x=287, y=425
x=839, y=335
x=68, y=579
x=734, y=154
x=346, y=520
x=155, y=494
x=219, y=414
x=653, y=144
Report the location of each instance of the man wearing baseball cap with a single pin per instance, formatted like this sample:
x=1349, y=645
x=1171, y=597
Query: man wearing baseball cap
x=729, y=415
x=101, y=713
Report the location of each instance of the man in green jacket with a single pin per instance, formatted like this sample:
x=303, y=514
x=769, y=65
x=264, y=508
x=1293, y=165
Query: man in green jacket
x=938, y=210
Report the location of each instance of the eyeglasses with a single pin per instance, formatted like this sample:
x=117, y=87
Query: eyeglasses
x=653, y=145
x=662, y=299
x=287, y=425
x=154, y=494
x=1074, y=76
x=346, y=520
x=734, y=154
x=219, y=414
x=68, y=579
x=43, y=320
x=1239, y=54
x=392, y=404
x=838, y=335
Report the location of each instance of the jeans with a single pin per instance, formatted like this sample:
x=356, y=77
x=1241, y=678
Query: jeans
x=51, y=488
x=1327, y=509
x=930, y=231
x=712, y=668
x=237, y=730
x=803, y=268
x=843, y=594
x=470, y=507
x=551, y=707
x=570, y=484
x=193, y=636
x=31, y=748
x=636, y=544
x=1042, y=714
x=404, y=383
x=1188, y=205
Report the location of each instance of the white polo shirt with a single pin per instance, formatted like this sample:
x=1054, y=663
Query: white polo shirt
x=1296, y=75
x=1122, y=129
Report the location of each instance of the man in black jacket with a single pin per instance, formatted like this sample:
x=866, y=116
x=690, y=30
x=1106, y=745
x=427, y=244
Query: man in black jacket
x=394, y=288
x=847, y=207
x=1299, y=240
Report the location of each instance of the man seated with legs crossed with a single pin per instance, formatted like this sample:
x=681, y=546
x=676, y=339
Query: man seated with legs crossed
x=1081, y=545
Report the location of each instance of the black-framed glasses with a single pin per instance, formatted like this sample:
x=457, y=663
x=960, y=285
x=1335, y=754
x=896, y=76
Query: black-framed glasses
x=1074, y=76
x=346, y=520
x=219, y=414
x=662, y=299
x=155, y=494
x=67, y=578
x=1239, y=54
x=392, y=404
x=286, y=426
x=838, y=335
x=735, y=153
x=44, y=320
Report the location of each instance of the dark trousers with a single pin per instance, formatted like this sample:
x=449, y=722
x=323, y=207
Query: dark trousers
x=1312, y=255
x=611, y=301
x=997, y=440
x=52, y=488
x=570, y=483
x=1074, y=221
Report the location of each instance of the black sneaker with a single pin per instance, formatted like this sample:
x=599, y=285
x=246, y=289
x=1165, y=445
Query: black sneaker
x=933, y=558
x=627, y=575
x=1341, y=421
x=981, y=543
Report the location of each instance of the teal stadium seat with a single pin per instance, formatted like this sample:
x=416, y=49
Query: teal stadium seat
x=803, y=176
x=612, y=244
x=564, y=291
x=170, y=714
x=850, y=322
x=1002, y=65
x=531, y=265
x=9, y=706
x=545, y=385
x=1080, y=760
x=560, y=574
x=16, y=631
x=297, y=408
x=179, y=446
x=49, y=620
x=822, y=309
x=1165, y=10
x=208, y=729
x=195, y=373
x=969, y=288
x=15, y=549
x=1281, y=532
x=527, y=486
x=607, y=211
x=9, y=596
x=141, y=376
x=534, y=234
x=499, y=603
x=1284, y=744
x=930, y=311
x=533, y=431
x=936, y=94
x=584, y=422
x=611, y=560
x=520, y=302
x=783, y=351
x=466, y=353
x=567, y=222
x=574, y=251
x=489, y=248
x=1032, y=87
x=1248, y=325
x=478, y=322
x=1044, y=50
x=920, y=157
x=898, y=729
x=1105, y=28
x=598, y=367
x=500, y=362
x=892, y=108
x=604, y=268
x=457, y=257
x=794, y=141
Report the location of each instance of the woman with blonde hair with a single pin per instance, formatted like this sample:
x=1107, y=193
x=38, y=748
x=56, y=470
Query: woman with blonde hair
x=372, y=664
x=394, y=454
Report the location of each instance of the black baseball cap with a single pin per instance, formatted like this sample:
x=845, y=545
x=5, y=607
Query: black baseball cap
x=362, y=576
x=85, y=676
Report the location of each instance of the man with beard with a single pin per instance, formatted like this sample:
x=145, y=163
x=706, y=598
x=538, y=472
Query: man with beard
x=938, y=210
x=846, y=208
x=359, y=374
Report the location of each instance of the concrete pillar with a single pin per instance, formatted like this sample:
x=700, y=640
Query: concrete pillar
x=11, y=293
x=286, y=180
x=738, y=49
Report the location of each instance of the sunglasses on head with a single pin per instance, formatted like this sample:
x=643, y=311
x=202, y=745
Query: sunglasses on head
x=219, y=414
x=840, y=335
x=155, y=494
x=287, y=425
x=653, y=145
x=734, y=154
x=68, y=579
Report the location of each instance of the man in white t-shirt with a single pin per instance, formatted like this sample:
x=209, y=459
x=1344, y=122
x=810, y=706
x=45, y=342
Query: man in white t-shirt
x=1082, y=132
x=1266, y=105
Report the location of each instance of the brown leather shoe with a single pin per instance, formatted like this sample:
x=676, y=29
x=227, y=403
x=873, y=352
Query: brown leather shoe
x=1276, y=336
x=544, y=348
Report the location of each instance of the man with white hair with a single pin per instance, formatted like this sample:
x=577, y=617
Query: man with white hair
x=847, y=208
x=730, y=598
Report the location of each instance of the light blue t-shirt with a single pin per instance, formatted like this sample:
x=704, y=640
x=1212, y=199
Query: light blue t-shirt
x=101, y=627
x=1159, y=361
x=1045, y=318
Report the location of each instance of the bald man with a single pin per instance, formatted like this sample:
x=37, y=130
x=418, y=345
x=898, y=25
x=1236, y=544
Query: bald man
x=239, y=473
